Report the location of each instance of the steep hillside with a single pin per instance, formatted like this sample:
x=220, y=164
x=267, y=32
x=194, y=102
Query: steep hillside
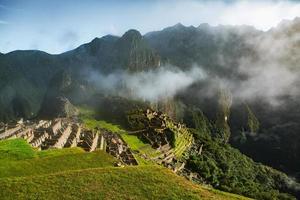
x=208, y=160
x=26, y=75
x=205, y=159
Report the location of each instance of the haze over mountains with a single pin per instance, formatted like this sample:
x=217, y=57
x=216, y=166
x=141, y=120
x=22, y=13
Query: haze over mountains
x=240, y=58
x=181, y=66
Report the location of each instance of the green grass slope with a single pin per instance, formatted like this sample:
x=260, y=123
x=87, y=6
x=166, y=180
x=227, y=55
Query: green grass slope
x=17, y=158
x=26, y=173
x=17, y=149
x=147, y=182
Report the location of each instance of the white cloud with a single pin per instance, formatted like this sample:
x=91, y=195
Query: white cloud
x=150, y=85
x=96, y=19
x=261, y=14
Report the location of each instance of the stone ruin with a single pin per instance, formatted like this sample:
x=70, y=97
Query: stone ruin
x=63, y=133
x=161, y=132
x=116, y=146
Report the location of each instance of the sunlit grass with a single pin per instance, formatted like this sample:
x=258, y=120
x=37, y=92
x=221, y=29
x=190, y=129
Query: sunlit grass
x=20, y=159
x=138, y=145
x=87, y=115
x=141, y=182
x=71, y=173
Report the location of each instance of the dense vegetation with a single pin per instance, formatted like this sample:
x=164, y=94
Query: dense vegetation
x=227, y=169
x=218, y=164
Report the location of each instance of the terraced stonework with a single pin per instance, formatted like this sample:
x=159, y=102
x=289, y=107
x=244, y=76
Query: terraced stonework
x=170, y=138
x=66, y=132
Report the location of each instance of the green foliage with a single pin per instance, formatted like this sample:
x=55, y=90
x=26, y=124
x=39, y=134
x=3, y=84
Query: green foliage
x=227, y=169
x=252, y=123
x=221, y=126
x=201, y=123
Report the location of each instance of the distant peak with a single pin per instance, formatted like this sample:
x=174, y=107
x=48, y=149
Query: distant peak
x=179, y=25
x=110, y=37
x=132, y=34
x=95, y=39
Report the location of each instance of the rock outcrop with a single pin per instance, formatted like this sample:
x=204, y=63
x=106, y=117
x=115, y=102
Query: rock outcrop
x=56, y=103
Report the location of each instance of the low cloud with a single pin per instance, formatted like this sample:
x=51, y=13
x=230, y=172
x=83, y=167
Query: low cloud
x=152, y=85
x=270, y=72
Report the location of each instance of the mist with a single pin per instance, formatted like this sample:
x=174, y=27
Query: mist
x=152, y=85
x=269, y=73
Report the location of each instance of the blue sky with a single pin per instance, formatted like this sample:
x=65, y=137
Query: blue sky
x=56, y=26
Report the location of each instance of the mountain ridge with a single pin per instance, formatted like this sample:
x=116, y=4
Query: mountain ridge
x=176, y=26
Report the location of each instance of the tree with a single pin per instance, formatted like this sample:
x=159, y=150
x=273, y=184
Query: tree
x=252, y=121
x=223, y=114
x=201, y=123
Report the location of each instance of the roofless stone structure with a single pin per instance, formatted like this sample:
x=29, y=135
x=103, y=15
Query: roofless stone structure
x=63, y=133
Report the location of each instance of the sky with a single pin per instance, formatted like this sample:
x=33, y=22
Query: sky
x=56, y=26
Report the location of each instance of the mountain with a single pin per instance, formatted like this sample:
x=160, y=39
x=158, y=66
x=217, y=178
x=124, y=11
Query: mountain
x=111, y=53
x=25, y=75
x=184, y=46
x=250, y=95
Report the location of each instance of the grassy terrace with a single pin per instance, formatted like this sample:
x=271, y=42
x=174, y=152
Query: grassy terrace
x=139, y=147
x=144, y=182
x=26, y=173
x=88, y=117
x=17, y=158
x=183, y=139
